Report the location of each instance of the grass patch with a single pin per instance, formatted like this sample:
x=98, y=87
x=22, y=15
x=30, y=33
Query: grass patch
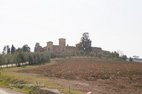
x=9, y=78
x=12, y=83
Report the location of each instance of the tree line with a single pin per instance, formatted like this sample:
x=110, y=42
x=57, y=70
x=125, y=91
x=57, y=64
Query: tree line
x=21, y=55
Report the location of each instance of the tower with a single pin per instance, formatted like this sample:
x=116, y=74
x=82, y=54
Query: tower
x=50, y=46
x=62, y=44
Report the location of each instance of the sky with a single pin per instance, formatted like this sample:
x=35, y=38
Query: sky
x=113, y=25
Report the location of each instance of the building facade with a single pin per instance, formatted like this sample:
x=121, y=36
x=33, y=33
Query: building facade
x=63, y=48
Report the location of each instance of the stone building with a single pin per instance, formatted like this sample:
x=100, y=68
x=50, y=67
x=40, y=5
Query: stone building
x=63, y=48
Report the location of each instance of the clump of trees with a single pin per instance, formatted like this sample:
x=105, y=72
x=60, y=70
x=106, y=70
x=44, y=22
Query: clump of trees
x=38, y=57
x=22, y=55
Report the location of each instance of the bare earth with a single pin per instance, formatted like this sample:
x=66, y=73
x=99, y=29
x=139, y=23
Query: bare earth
x=96, y=76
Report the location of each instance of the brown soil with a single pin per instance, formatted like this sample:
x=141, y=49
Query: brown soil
x=97, y=76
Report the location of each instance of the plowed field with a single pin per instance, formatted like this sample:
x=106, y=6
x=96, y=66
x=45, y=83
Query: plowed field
x=97, y=76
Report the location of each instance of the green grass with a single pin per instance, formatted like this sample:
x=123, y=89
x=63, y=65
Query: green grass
x=7, y=82
x=9, y=76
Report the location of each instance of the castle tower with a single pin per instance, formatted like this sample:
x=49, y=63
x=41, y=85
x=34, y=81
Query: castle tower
x=50, y=46
x=62, y=44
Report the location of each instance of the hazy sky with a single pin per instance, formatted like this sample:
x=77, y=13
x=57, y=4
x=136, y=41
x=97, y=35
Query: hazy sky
x=114, y=25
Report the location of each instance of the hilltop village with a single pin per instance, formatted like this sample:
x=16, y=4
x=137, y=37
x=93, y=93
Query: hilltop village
x=64, y=48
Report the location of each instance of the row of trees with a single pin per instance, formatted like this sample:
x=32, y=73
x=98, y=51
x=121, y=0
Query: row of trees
x=12, y=50
x=22, y=55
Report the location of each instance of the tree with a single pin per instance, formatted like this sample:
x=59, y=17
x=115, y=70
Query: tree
x=13, y=49
x=85, y=44
x=26, y=48
x=123, y=57
x=18, y=49
x=4, y=50
x=1, y=60
x=130, y=59
x=37, y=47
x=8, y=49
x=114, y=55
x=20, y=58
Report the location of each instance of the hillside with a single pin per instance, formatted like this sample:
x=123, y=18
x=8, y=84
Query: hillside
x=97, y=76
